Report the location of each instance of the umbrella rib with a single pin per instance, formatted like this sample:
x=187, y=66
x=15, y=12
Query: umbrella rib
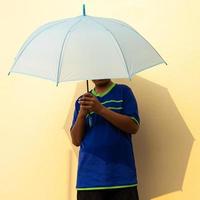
x=132, y=29
x=61, y=52
x=117, y=44
x=27, y=42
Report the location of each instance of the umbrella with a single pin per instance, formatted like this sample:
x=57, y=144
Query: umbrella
x=85, y=47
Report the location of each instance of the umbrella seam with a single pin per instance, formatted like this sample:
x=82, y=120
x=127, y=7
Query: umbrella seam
x=149, y=66
x=24, y=46
x=42, y=29
x=61, y=52
x=132, y=29
x=116, y=42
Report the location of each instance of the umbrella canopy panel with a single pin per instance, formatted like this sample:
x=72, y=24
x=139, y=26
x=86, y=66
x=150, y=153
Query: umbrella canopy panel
x=85, y=47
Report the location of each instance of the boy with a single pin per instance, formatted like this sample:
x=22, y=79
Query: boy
x=103, y=122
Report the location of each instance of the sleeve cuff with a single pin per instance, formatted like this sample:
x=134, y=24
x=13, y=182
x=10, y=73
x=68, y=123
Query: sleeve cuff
x=135, y=120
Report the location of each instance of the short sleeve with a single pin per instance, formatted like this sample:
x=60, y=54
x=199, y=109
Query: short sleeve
x=76, y=110
x=130, y=106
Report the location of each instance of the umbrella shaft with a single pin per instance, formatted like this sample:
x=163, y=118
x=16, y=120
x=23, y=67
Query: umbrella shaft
x=87, y=85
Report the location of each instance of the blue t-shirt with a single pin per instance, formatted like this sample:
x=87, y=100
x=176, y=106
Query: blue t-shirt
x=106, y=158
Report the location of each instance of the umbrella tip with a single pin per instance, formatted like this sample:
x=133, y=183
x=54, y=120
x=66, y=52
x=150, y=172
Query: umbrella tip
x=84, y=13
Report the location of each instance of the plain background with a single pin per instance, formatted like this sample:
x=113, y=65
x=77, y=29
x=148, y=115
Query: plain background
x=37, y=158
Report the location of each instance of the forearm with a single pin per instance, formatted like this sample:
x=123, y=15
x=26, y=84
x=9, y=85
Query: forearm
x=78, y=130
x=123, y=122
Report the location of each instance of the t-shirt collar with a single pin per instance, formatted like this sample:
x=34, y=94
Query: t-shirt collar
x=103, y=93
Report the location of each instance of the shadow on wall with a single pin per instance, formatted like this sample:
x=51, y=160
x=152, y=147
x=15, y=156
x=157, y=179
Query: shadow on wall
x=163, y=143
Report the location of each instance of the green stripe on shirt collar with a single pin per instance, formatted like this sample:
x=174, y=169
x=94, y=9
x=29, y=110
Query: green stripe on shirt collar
x=103, y=93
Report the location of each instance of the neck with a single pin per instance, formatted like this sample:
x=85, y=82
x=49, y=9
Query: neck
x=102, y=88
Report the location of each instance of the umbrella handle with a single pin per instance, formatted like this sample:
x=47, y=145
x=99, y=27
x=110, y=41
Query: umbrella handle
x=87, y=85
x=89, y=116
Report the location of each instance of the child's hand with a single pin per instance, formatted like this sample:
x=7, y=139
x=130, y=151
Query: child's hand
x=83, y=111
x=90, y=103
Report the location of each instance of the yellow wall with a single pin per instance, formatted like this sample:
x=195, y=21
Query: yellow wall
x=37, y=158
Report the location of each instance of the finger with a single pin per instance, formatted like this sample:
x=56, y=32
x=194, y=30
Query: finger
x=87, y=94
x=85, y=107
x=82, y=97
x=86, y=98
x=85, y=103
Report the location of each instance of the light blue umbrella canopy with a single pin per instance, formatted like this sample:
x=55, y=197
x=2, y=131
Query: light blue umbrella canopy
x=85, y=48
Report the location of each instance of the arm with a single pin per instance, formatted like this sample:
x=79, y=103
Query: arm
x=78, y=130
x=123, y=122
